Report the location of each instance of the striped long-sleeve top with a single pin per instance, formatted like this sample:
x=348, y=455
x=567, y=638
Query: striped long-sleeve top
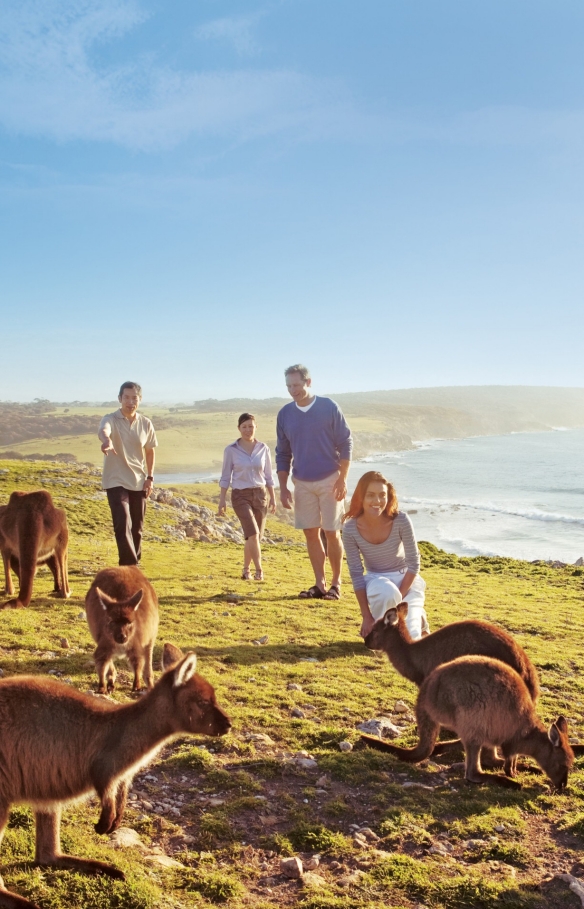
x=398, y=553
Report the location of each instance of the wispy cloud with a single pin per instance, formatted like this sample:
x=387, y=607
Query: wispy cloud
x=238, y=31
x=52, y=86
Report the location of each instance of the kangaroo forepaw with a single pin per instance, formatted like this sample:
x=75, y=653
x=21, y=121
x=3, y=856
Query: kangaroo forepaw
x=12, y=604
x=105, y=824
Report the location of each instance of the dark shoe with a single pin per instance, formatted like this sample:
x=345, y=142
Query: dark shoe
x=333, y=593
x=313, y=593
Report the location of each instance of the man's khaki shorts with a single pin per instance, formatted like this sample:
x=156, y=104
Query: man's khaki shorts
x=315, y=504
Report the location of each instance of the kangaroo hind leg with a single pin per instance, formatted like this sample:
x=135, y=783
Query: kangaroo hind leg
x=474, y=773
x=48, y=849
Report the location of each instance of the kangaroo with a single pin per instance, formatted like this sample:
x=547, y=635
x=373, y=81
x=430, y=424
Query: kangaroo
x=122, y=613
x=415, y=660
x=486, y=703
x=58, y=745
x=33, y=531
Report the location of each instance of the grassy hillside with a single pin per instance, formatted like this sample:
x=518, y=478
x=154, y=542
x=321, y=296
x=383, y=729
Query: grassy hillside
x=233, y=807
x=193, y=438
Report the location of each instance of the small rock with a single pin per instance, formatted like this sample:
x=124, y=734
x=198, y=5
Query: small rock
x=400, y=707
x=64, y=643
x=441, y=848
x=294, y=686
x=81, y=615
x=216, y=803
x=500, y=828
x=369, y=834
x=125, y=837
x=306, y=763
x=323, y=780
x=348, y=879
x=311, y=863
x=380, y=726
x=163, y=860
x=412, y=784
x=335, y=866
x=291, y=868
x=262, y=640
x=345, y=746
x=312, y=880
x=260, y=738
x=475, y=844
x=297, y=713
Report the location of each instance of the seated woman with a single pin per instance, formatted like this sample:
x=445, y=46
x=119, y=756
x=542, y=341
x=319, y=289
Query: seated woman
x=378, y=534
x=247, y=468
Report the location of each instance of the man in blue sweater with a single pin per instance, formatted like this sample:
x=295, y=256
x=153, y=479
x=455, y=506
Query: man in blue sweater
x=314, y=438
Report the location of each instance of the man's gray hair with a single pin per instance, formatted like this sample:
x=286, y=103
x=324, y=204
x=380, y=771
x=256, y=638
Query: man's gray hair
x=300, y=369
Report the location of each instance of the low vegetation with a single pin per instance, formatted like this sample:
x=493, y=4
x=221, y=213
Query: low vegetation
x=227, y=811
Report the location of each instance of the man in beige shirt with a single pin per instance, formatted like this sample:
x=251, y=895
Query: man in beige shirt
x=128, y=442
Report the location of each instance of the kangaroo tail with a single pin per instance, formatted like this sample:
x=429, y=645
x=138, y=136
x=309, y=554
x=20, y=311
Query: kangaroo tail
x=428, y=733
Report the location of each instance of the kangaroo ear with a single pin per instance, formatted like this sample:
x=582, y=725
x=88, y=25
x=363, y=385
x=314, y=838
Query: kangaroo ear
x=171, y=655
x=135, y=601
x=402, y=608
x=562, y=724
x=104, y=599
x=390, y=617
x=185, y=670
x=554, y=735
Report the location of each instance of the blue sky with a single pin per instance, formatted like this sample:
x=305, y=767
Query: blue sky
x=195, y=195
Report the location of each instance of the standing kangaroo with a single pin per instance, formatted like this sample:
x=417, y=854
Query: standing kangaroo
x=486, y=703
x=415, y=660
x=57, y=745
x=33, y=531
x=122, y=613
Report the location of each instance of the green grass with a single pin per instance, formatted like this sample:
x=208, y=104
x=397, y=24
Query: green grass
x=245, y=805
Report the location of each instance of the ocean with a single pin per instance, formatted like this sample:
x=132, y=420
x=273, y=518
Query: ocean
x=518, y=495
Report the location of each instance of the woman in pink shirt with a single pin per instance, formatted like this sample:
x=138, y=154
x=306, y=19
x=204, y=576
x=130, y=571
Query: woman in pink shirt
x=247, y=468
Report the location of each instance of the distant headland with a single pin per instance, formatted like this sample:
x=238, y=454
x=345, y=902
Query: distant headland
x=192, y=436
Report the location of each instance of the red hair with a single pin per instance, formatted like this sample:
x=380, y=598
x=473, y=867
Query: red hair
x=356, y=506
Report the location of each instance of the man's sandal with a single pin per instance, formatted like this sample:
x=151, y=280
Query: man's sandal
x=333, y=593
x=259, y=575
x=313, y=593
x=246, y=575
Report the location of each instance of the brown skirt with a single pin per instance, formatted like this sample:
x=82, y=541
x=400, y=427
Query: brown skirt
x=251, y=507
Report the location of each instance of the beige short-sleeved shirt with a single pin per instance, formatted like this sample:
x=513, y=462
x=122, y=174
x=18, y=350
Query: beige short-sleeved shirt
x=127, y=467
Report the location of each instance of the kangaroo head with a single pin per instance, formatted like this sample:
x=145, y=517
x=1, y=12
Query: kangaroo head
x=562, y=755
x=196, y=708
x=120, y=615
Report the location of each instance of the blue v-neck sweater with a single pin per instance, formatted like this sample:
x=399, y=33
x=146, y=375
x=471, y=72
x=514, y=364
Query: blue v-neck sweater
x=315, y=441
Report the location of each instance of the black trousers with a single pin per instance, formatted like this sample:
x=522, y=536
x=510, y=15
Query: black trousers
x=128, y=509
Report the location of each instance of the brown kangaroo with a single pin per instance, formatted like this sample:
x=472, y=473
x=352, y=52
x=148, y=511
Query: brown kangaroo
x=122, y=613
x=58, y=744
x=415, y=660
x=33, y=531
x=486, y=703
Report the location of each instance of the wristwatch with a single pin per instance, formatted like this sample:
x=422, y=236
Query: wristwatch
x=150, y=478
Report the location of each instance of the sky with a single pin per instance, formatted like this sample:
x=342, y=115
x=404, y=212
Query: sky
x=194, y=195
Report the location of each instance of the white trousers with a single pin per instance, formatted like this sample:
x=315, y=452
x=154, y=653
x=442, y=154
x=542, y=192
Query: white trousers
x=383, y=593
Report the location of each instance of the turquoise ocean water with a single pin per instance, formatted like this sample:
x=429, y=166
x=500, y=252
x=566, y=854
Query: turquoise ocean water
x=519, y=495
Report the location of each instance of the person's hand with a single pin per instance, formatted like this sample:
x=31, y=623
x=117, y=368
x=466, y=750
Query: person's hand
x=340, y=489
x=147, y=488
x=286, y=498
x=366, y=625
x=108, y=446
x=222, y=509
x=272, y=506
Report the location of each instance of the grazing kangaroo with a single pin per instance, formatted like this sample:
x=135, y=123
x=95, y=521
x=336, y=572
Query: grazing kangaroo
x=33, y=531
x=415, y=660
x=122, y=613
x=486, y=703
x=57, y=745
